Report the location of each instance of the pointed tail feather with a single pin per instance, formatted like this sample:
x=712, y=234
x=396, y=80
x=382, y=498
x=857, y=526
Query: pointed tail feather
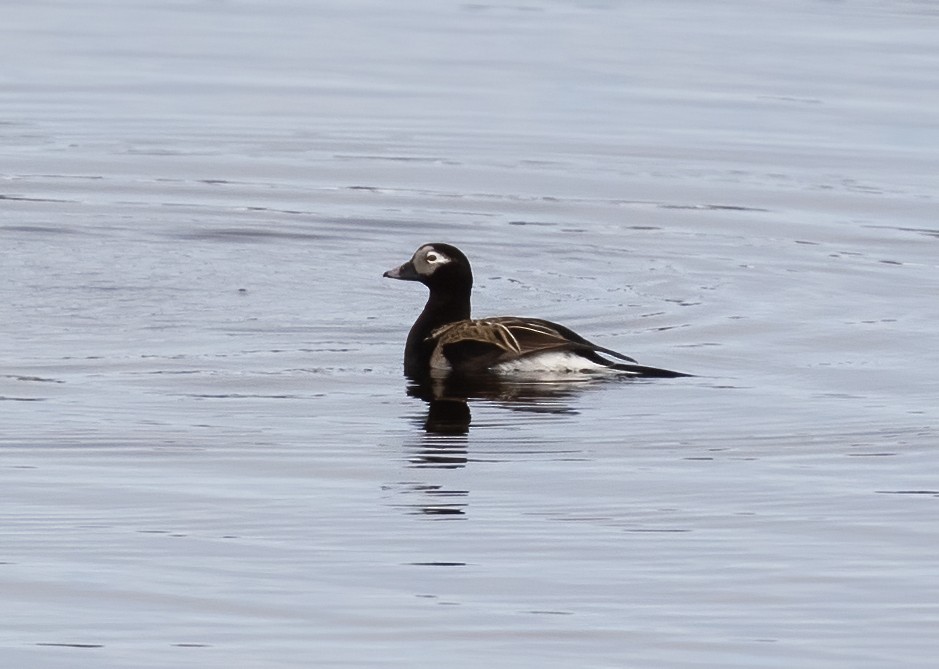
x=648, y=372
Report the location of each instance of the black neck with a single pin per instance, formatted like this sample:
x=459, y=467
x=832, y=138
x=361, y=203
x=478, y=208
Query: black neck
x=440, y=310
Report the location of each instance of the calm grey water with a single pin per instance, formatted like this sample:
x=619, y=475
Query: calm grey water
x=208, y=454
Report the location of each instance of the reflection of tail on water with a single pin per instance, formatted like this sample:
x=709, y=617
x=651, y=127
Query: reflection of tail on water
x=444, y=442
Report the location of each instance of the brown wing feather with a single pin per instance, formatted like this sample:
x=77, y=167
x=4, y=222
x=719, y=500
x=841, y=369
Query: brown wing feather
x=536, y=335
x=479, y=344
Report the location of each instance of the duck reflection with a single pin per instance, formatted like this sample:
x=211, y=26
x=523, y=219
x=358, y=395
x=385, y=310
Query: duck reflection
x=442, y=443
x=448, y=397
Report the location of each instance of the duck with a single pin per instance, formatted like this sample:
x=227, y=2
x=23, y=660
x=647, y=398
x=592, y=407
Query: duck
x=446, y=339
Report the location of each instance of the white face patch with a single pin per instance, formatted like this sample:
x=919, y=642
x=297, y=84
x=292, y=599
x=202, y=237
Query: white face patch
x=428, y=259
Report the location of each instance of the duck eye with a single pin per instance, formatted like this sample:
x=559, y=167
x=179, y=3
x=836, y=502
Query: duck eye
x=432, y=257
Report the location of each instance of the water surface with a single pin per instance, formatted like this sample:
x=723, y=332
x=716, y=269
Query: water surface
x=209, y=455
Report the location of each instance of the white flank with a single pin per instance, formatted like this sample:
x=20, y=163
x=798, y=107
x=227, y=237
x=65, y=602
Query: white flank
x=552, y=364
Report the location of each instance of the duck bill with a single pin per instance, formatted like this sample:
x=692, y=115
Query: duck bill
x=406, y=272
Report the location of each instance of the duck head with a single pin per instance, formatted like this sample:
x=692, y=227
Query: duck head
x=438, y=266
